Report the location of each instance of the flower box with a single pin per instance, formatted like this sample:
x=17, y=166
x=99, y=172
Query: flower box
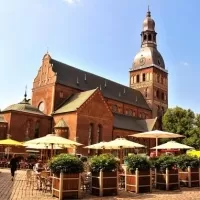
x=189, y=177
x=105, y=183
x=66, y=186
x=167, y=179
x=139, y=181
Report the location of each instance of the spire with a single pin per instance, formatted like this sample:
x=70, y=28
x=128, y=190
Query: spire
x=148, y=12
x=25, y=94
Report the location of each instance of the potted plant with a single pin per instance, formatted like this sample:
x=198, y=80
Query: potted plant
x=166, y=173
x=66, y=171
x=188, y=170
x=138, y=174
x=104, y=174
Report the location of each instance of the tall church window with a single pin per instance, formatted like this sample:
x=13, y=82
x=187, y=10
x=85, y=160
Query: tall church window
x=143, y=77
x=99, y=133
x=90, y=135
x=138, y=78
x=154, y=38
x=149, y=37
x=157, y=94
x=146, y=91
x=162, y=96
x=28, y=130
x=37, y=130
x=158, y=110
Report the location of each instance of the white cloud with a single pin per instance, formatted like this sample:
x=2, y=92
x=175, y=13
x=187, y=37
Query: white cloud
x=185, y=63
x=72, y=1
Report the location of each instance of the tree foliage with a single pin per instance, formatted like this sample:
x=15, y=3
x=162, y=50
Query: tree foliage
x=184, y=122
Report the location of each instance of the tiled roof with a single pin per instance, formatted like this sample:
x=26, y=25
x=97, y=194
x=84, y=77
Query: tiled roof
x=132, y=123
x=74, y=102
x=61, y=124
x=76, y=78
x=24, y=106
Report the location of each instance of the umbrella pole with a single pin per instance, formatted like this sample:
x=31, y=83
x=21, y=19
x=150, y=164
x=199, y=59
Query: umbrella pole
x=156, y=146
x=51, y=150
x=121, y=155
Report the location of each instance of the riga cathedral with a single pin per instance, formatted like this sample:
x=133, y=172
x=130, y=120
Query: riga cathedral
x=85, y=107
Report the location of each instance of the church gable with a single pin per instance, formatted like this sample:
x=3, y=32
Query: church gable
x=95, y=106
x=45, y=74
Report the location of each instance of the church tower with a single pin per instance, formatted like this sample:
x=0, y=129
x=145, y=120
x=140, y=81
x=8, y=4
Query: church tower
x=148, y=73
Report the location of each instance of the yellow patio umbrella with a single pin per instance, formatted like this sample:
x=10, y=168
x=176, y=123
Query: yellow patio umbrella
x=9, y=142
x=53, y=140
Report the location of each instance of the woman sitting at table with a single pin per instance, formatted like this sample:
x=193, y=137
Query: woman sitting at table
x=38, y=167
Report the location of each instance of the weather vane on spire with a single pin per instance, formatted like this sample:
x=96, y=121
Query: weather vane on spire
x=25, y=94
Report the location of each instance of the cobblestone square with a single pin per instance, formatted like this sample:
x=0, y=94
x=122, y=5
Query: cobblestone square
x=20, y=190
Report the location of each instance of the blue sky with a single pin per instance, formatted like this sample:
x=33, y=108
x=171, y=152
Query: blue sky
x=100, y=36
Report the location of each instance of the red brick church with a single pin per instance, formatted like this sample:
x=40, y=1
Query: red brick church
x=88, y=108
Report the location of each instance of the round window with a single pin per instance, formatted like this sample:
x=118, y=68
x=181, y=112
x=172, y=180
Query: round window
x=41, y=106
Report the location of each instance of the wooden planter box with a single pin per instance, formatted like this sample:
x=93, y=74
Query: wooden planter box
x=190, y=177
x=105, y=183
x=66, y=186
x=139, y=182
x=167, y=180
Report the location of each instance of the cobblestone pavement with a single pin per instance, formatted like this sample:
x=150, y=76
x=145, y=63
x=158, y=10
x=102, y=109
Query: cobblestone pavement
x=20, y=190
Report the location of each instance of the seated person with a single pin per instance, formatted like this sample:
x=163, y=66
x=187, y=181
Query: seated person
x=38, y=167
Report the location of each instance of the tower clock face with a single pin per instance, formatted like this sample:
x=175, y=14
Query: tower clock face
x=142, y=60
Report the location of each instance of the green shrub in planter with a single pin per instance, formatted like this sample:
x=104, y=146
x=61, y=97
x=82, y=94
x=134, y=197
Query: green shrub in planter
x=184, y=161
x=106, y=162
x=134, y=162
x=66, y=163
x=165, y=161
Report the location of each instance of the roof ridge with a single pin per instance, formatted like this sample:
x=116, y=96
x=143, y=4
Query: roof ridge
x=96, y=75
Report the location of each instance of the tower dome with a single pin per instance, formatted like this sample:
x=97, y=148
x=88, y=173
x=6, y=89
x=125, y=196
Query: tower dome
x=148, y=55
x=148, y=24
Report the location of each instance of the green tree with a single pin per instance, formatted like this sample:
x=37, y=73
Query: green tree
x=184, y=122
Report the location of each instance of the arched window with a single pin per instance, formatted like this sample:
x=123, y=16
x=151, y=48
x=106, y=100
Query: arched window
x=99, y=133
x=37, y=130
x=145, y=37
x=149, y=37
x=143, y=77
x=28, y=130
x=158, y=110
x=130, y=112
x=162, y=96
x=157, y=94
x=146, y=91
x=138, y=78
x=90, y=135
x=154, y=38
x=115, y=108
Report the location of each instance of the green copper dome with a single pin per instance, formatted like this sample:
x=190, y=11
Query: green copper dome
x=24, y=106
